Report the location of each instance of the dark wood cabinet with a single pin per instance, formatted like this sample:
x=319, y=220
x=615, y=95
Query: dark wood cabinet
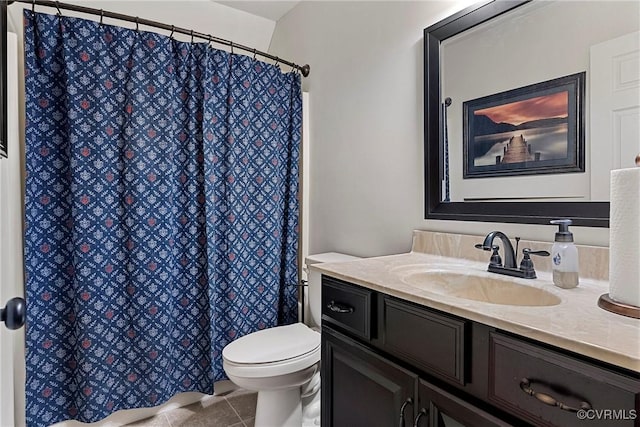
x=361, y=388
x=440, y=408
x=347, y=307
x=389, y=362
x=434, y=342
x=523, y=376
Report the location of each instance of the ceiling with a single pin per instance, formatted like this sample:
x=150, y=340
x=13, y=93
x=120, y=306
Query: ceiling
x=273, y=10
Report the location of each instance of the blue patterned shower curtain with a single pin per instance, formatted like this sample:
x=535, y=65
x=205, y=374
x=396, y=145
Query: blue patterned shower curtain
x=161, y=213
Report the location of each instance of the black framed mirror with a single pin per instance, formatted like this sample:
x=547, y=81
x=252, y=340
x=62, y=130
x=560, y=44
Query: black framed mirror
x=3, y=80
x=583, y=213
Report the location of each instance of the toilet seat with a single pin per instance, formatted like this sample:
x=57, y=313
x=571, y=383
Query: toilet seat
x=271, y=352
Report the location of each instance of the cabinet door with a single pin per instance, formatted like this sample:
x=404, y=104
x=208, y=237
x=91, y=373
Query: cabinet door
x=438, y=408
x=360, y=388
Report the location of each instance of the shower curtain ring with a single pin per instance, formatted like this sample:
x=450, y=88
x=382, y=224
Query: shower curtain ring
x=255, y=51
x=101, y=16
x=231, y=43
x=33, y=6
x=191, y=36
x=58, y=7
x=137, y=24
x=173, y=28
x=277, y=62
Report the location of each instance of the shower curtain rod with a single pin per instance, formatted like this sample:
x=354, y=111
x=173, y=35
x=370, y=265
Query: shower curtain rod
x=304, y=69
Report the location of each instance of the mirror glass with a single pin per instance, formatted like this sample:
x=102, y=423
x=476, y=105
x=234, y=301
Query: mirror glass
x=533, y=43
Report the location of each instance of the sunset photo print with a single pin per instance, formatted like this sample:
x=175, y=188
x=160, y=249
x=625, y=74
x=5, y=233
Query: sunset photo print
x=529, y=130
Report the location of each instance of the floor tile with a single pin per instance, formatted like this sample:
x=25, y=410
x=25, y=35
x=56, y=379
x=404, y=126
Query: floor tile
x=249, y=422
x=244, y=404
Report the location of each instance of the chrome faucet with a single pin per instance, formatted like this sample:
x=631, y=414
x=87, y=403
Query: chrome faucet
x=525, y=270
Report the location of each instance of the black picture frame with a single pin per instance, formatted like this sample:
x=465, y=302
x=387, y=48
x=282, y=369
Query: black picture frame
x=587, y=214
x=530, y=130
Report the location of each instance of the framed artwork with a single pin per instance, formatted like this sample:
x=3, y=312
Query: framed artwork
x=530, y=130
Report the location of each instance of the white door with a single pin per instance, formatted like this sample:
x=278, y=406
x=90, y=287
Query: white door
x=615, y=116
x=11, y=262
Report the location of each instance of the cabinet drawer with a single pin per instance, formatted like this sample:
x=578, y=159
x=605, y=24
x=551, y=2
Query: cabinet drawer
x=347, y=306
x=518, y=369
x=430, y=341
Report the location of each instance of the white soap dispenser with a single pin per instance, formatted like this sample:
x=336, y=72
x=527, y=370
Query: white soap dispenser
x=564, y=256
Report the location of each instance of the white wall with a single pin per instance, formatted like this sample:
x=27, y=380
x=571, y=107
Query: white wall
x=366, y=93
x=200, y=15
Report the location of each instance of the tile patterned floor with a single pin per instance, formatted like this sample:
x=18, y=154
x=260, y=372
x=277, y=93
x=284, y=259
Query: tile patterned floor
x=234, y=409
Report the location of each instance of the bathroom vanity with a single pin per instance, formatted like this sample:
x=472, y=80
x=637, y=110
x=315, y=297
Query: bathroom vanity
x=397, y=349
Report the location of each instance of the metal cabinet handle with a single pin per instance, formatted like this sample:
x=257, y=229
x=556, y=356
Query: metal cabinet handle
x=422, y=412
x=14, y=313
x=339, y=308
x=407, y=402
x=525, y=384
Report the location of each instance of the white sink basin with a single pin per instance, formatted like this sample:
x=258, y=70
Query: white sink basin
x=467, y=285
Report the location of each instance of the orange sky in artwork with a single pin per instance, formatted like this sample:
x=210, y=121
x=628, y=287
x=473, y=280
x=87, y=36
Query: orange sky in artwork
x=542, y=107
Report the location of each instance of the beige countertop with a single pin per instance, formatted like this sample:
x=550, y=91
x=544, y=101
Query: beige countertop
x=576, y=323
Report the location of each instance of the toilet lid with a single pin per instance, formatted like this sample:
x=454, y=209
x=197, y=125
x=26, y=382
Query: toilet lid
x=272, y=345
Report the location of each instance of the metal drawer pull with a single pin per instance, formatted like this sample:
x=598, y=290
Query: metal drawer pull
x=420, y=414
x=549, y=400
x=409, y=401
x=339, y=308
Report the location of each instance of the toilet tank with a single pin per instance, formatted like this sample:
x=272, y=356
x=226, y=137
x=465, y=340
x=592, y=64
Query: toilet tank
x=315, y=280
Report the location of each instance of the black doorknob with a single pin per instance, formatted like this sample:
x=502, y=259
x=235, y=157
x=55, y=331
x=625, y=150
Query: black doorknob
x=14, y=313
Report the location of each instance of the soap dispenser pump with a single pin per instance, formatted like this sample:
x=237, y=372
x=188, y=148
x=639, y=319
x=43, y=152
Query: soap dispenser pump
x=564, y=256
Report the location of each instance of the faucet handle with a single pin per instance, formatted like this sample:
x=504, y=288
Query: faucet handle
x=526, y=265
x=527, y=252
x=495, y=259
x=487, y=248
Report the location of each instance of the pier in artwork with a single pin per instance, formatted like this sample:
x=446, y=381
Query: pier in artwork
x=517, y=150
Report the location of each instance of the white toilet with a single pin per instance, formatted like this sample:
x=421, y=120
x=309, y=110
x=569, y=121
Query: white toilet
x=283, y=363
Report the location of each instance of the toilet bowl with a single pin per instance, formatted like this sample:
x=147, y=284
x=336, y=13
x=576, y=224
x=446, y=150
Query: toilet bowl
x=275, y=362
x=283, y=364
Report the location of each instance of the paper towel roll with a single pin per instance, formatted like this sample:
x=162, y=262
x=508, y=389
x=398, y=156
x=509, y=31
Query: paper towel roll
x=624, y=237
